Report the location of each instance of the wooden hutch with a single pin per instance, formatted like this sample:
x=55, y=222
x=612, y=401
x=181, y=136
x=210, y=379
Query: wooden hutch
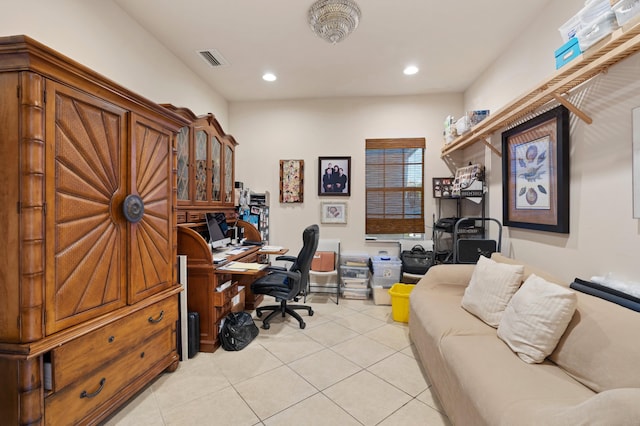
x=88, y=285
x=205, y=170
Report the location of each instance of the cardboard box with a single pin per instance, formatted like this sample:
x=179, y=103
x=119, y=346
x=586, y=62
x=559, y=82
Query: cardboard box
x=323, y=261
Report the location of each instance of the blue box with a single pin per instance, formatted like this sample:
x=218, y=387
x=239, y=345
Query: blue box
x=567, y=52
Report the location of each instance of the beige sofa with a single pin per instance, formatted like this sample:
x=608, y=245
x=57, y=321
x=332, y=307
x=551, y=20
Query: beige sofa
x=591, y=378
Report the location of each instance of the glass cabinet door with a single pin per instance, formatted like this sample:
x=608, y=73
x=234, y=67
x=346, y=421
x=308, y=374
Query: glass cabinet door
x=201, y=166
x=216, y=169
x=183, y=164
x=228, y=174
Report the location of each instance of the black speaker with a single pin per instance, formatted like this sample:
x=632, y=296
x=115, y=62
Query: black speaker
x=193, y=327
x=470, y=250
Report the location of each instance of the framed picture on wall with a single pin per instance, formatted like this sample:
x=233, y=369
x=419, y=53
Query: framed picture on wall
x=333, y=212
x=334, y=176
x=291, y=181
x=535, y=173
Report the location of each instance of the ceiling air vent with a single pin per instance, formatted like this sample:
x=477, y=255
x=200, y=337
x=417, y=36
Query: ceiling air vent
x=213, y=58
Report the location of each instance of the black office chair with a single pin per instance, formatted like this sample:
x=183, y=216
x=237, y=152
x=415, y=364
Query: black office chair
x=287, y=284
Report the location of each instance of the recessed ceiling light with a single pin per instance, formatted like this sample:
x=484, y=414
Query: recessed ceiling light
x=410, y=70
x=269, y=77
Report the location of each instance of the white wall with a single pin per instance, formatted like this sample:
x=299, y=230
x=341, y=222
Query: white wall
x=604, y=237
x=307, y=129
x=99, y=35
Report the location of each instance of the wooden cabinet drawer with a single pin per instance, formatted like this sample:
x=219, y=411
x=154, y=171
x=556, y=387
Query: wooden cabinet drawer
x=91, y=351
x=72, y=404
x=221, y=298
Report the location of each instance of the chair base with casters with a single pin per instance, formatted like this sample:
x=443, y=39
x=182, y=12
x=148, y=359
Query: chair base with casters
x=283, y=309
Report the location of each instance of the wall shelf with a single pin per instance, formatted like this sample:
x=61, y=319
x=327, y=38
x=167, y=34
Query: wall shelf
x=620, y=44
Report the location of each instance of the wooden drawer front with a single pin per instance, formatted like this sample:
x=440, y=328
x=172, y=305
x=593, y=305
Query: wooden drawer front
x=221, y=298
x=78, y=400
x=89, y=352
x=195, y=216
x=219, y=312
x=181, y=216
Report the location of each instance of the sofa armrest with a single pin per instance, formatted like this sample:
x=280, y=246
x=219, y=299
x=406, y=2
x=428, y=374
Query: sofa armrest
x=450, y=274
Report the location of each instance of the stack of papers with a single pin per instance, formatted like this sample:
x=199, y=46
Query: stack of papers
x=244, y=266
x=271, y=248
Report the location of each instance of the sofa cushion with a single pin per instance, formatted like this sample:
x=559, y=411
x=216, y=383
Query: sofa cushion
x=439, y=307
x=528, y=269
x=536, y=317
x=600, y=347
x=493, y=379
x=620, y=407
x=491, y=287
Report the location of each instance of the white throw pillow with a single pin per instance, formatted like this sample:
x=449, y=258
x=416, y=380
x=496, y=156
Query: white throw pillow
x=491, y=287
x=536, y=317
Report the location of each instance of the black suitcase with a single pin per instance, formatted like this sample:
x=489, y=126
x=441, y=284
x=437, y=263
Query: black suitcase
x=193, y=327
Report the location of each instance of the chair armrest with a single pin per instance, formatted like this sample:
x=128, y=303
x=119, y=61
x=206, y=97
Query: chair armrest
x=275, y=268
x=287, y=258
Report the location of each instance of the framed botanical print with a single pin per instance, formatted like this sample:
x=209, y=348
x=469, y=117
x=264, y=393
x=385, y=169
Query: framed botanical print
x=291, y=181
x=334, y=176
x=535, y=173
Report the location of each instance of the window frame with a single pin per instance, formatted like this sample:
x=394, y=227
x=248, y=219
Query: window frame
x=388, y=222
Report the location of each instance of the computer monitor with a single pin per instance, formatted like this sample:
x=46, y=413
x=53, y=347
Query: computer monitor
x=217, y=238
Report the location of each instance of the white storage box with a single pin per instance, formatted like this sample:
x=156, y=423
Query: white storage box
x=593, y=11
x=381, y=296
x=354, y=271
x=355, y=293
x=625, y=10
x=570, y=28
x=355, y=282
x=597, y=30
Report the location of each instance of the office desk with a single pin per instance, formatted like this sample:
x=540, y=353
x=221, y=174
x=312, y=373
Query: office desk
x=205, y=281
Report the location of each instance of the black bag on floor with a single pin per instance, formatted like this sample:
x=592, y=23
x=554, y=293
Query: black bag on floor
x=237, y=331
x=417, y=260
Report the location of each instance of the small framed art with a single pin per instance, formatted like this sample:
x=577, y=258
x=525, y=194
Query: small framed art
x=333, y=212
x=291, y=181
x=334, y=176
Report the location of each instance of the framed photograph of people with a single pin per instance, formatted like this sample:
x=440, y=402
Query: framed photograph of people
x=334, y=176
x=535, y=173
x=333, y=212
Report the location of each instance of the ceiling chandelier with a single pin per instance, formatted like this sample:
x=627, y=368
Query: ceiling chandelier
x=333, y=20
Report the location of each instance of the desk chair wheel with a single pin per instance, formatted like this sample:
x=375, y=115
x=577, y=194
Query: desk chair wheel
x=258, y=313
x=303, y=325
x=310, y=312
x=265, y=325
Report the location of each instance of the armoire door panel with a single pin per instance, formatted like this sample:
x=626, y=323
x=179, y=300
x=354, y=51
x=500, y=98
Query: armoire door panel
x=152, y=240
x=86, y=240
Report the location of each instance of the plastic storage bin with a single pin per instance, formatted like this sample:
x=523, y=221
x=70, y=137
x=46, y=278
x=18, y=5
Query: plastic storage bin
x=625, y=10
x=593, y=11
x=400, y=301
x=355, y=282
x=354, y=259
x=355, y=293
x=387, y=270
x=597, y=30
x=381, y=296
x=354, y=271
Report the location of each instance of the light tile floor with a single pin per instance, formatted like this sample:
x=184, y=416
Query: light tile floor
x=351, y=365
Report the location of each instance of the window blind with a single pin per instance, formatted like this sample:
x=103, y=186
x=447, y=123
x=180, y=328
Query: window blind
x=394, y=175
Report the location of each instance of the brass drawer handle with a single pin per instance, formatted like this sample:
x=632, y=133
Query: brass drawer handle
x=155, y=321
x=84, y=393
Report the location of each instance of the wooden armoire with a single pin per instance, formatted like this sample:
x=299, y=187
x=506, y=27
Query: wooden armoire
x=88, y=286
